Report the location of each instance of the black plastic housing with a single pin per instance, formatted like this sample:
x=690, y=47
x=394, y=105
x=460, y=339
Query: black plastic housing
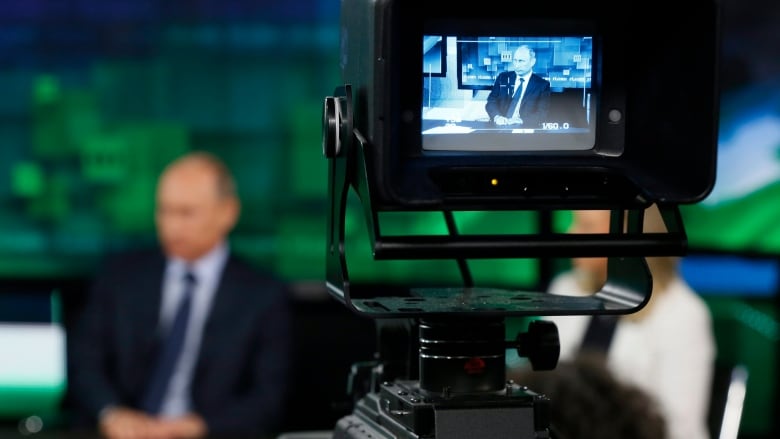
x=656, y=68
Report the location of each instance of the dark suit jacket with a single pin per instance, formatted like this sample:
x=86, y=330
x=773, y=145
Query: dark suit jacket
x=240, y=379
x=535, y=104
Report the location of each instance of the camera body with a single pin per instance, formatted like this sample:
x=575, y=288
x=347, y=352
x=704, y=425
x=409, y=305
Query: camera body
x=631, y=121
x=645, y=83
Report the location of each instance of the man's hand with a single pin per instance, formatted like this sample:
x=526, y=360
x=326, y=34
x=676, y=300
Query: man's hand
x=501, y=120
x=190, y=426
x=126, y=423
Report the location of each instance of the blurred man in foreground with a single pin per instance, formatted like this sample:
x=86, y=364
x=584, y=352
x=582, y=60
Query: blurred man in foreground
x=188, y=341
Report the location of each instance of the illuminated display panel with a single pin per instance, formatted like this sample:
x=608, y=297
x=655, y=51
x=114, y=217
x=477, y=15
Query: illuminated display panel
x=455, y=114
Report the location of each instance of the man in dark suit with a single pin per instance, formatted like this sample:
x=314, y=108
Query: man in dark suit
x=229, y=376
x=519, y=98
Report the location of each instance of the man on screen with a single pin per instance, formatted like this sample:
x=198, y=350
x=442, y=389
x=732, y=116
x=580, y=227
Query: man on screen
x=519, y=97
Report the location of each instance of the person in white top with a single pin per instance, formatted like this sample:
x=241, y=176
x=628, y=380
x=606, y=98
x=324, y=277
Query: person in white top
x=667, y=348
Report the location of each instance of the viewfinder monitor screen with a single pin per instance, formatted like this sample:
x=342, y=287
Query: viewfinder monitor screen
x=509, y=93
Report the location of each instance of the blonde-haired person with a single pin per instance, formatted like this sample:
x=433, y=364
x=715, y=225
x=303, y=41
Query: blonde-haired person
x=667, y=348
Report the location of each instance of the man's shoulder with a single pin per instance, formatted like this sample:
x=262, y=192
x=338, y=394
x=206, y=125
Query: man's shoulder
x=539, y=78
x=240, y=268
x=131, y=261
x=242, y=280
x=139, y=255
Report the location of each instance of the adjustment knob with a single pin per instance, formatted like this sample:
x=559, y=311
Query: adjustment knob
x=331, y=143
x=540, y=345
